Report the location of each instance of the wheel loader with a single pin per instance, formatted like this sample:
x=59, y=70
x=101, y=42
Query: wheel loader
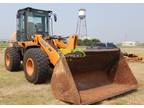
x=78, y=76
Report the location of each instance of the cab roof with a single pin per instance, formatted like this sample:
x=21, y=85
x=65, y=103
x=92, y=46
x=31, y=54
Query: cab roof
x=33, y=9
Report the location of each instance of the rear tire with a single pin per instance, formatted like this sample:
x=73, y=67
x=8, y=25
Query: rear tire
x=36, y=66
x=12, y=59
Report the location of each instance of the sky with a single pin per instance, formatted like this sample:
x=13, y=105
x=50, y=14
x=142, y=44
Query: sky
x=107, y=22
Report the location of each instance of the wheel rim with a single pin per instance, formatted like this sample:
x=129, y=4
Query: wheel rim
x=29, y=66
x=7, y=59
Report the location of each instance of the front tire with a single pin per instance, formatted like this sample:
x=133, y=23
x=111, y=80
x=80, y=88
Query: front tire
x=12, y=59
x=36, y=66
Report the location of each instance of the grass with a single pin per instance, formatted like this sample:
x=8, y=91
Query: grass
x=15, y=89
x=3, y=44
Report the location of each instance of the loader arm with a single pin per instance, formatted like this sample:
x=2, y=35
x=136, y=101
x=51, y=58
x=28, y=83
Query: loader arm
x=52, y=53
x=71, y=44
x=51, y=50
x=59, y=43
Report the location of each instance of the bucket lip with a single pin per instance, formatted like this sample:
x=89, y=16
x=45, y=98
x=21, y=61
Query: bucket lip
x=133, y=87
x=102, y=50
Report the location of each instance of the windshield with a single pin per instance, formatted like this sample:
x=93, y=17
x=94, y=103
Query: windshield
x=37, y=23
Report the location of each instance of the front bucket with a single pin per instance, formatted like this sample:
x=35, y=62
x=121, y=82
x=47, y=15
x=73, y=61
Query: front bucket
x=100, y=75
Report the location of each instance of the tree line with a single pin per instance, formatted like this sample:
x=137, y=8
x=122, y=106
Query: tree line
x=87, y=42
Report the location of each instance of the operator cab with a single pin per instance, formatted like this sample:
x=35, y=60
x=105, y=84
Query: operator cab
x=32, y=21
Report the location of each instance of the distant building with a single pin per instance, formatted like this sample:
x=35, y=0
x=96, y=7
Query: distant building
x=128, y=43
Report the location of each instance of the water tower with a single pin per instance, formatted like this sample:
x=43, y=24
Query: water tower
x=81, y=28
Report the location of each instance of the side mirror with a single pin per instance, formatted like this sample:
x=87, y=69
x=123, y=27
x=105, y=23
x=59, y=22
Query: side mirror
x=55, y=17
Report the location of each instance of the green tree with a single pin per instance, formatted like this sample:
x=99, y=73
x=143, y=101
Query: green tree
x=80, y=42
x=87, y=42
x=94, y=41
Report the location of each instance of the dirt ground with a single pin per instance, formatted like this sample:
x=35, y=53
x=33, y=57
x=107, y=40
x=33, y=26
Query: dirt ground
x=15, y=89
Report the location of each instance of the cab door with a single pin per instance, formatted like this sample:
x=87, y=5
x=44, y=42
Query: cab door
x=21, y=30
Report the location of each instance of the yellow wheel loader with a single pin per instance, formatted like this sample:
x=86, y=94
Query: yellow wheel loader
x=78, y=76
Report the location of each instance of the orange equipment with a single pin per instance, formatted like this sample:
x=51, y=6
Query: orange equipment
x=133, y=57
x=79, y=77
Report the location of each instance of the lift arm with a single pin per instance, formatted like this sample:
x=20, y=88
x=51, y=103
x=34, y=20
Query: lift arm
x=52, y=53
x=71, y=44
